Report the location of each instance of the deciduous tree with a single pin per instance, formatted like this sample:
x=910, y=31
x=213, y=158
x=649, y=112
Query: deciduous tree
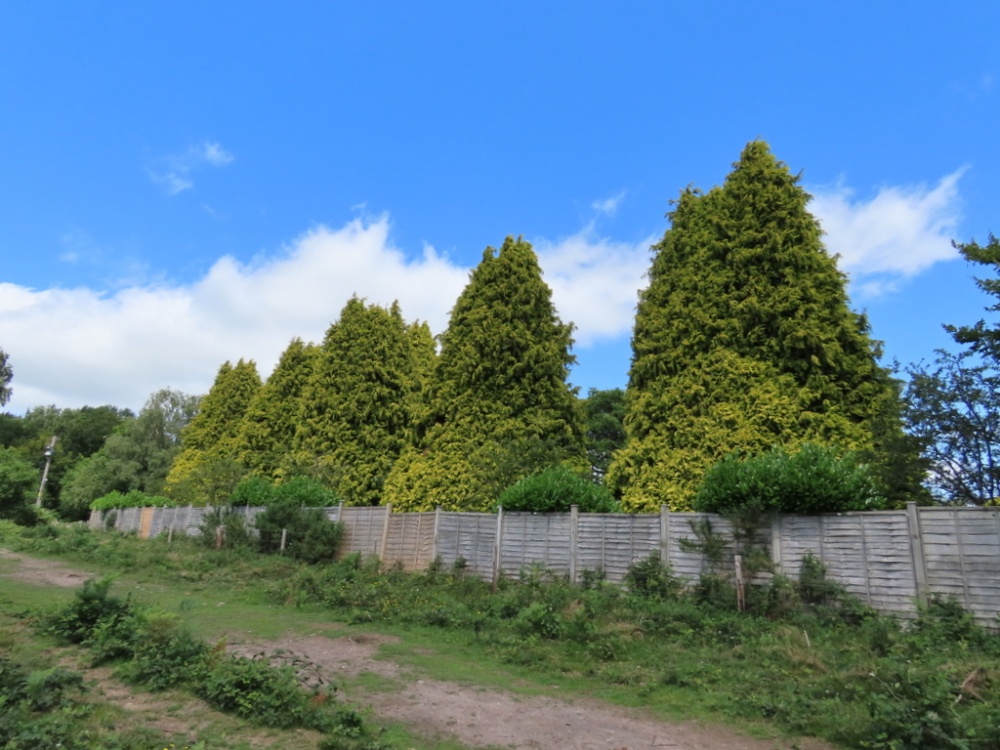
x=953, y=405
x=136, y=456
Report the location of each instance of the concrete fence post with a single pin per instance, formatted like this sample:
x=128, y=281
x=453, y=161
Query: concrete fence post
x=383, y=543
x=435, y=552
x=498, y=545
x=917, y=550
x=574, y=520
x=776, y=545
x=665, y=535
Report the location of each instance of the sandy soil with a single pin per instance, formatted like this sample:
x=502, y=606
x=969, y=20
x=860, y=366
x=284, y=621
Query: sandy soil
x=476, y=717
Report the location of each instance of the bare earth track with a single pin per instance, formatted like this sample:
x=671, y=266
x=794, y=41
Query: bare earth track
x=473, y=716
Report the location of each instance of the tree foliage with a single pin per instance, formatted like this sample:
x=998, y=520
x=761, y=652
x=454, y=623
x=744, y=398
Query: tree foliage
x=953, y=406
x=136, y=456
x=18, y=479
x=499, y=407
x=207, y=468
x=982, y=338
x=271, y=419
x=743, y=339
x=605, y=414
x=357, y=408
x=6, y=375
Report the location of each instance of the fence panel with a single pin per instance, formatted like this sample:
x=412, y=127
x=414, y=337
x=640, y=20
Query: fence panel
x=535, y=539
x=689, y=563
x=410, y=540
x=612, y=542
x=363, y=529
x=471, y=537
x=962, y=557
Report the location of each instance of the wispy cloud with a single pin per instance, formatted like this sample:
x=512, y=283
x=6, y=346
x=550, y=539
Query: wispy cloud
x=894, y=235
x=608, y=206
x=175, y=171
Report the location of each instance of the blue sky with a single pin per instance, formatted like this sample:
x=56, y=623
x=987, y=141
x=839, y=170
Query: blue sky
x=187, y=183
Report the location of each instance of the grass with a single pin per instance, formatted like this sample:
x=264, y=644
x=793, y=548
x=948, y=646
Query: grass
x=800, y=663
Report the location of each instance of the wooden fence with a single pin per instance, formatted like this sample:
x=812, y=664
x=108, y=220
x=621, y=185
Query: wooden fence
x=893, y=560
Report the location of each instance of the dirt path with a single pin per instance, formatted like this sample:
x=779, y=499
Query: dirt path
x=476, y=717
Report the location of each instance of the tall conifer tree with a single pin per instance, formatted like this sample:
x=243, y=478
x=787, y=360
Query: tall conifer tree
x=208, y=463
x=270, y=421
x=356, y=413
x=743, y=339
x=500, y=405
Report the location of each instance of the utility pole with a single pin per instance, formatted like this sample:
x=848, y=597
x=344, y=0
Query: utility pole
x=50, y=449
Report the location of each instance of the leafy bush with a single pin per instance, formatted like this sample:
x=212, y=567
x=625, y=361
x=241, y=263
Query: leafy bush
x=165, y=654
x=304, y=491
x=814, y=479
x=133, y=499
x=255, y=690
x=18, y=479
x=236, y=531
x=652, y=577
x=254, y=491
x=554, y=490
x=91, y=608
x=310, y=535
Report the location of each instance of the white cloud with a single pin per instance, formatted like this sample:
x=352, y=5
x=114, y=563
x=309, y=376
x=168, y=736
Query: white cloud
x=72, y=347
x=174, y=172
x=595, y=282
x=896, y=234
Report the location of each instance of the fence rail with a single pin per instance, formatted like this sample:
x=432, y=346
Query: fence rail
x=892, y=560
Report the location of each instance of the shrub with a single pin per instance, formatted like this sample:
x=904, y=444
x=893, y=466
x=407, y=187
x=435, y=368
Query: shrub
x=237, y=532
x=254, y=491
x=554, y=490
x=165, y=655
x=18, y=479
x=255, y=690
x=132, y=499
x=310, y=535
x=91, y=608
x=652, y=577
x=814, y=479
x=304, y=491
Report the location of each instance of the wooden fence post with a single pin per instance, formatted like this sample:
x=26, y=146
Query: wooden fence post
x=574, y=519
x=917, y=551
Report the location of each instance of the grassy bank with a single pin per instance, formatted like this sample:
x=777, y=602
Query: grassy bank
x=804, y=660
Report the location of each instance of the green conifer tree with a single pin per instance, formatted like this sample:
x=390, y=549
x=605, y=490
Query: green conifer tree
x=500, y=406
x=270, y=421
x=743, y=340
x=356, y=413
x=208, y=466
